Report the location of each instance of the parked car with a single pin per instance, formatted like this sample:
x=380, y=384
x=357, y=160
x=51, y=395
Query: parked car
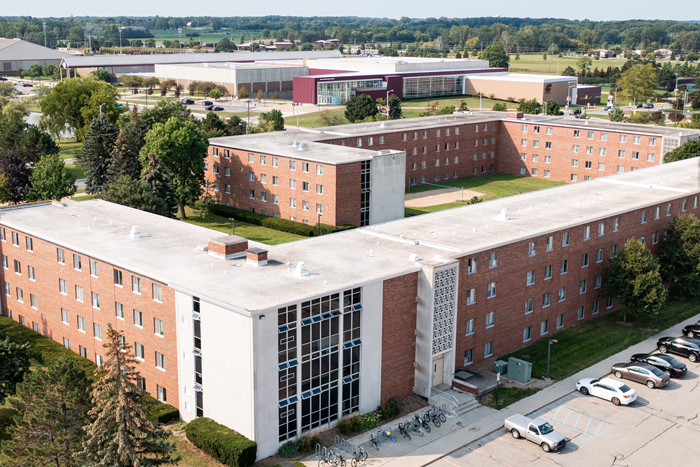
x=216, y=108
x=187, y=101
x=639, y=106
x=27, y=85
x=616, y=392
x=684, y=346
x=662, y=362
x=207, y=103
x=19, y=83
x=2, y=78
x=641, y=373
x=608, y=108
x=575, y=112
x=538, y=431
x=648, y=106
x=692, y=330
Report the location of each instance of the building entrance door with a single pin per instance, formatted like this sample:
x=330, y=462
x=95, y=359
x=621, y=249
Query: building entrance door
x=437, y=370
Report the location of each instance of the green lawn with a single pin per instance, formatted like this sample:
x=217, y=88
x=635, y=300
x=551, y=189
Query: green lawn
x=66, y=144
x=503, y=397
x=251, y=232
x=493, y=186
x=472, y=102
x=78, y=172
x=533, y=63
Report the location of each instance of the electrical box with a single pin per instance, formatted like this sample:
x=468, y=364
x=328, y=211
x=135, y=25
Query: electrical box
x=519, y=370
x=499, y=366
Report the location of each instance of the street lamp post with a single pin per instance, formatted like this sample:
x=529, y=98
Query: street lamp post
x=480, y=95
x=179, y=30
x=247, y=128
x=233, y=225
x=549, y=352
x=101, y=109
x=387, y=103
x=294, y=105
x=120, y=41
x=43, y=24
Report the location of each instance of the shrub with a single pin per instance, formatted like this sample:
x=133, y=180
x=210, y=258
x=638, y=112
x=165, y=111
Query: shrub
x=391, y=408
x=225, y=445
x=289, y=449
x=308, y=443
x=474, y=200
x=356, y=423
x=370, y=420
x=163, y=413
x=345, y=427
x=500, y=107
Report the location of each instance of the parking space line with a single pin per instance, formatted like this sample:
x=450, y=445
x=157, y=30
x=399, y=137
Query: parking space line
x=608, y=426
x=522, y=448
x=490, y=457
x=579, y=418
x=609, y=406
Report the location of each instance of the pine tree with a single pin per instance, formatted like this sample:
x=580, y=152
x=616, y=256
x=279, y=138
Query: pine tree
x=96, y=155
x=157, y=176
x=125, y=155
x=121, y=434
x=52, y=406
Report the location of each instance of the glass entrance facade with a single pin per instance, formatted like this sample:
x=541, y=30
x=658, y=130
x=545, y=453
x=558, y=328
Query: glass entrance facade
x=338, y=92
x=432, y=86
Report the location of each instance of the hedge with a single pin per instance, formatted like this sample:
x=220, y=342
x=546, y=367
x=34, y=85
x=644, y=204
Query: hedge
x=223, y=444
x=162, y=413
x=277, y=223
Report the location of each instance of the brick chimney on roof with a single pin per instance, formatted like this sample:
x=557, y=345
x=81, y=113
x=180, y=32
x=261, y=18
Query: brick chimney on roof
x=228, y=247
x=256, y=256
x=514, y=114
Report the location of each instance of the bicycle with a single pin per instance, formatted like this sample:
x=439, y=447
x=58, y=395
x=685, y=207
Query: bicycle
x=326, y=460
x=404, y=431
x=384, y=433
x=430, y=416
x=359, y=457
x=373, y=441
x=440, y=413
x=414, y=428
x=420, y=422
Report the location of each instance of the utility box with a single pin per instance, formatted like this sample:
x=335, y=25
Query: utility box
x=519, y=370
x=499, y=366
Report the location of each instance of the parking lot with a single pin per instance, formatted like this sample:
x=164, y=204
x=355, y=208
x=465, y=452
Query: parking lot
x=660, y=428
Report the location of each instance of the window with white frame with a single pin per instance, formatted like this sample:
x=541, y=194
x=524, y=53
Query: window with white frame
x=581, y=312
x=616, y=224
x=139, y=351
x=493, y=259
x=157, y=292
x=564, y=266
x=530, y=277
x=532, y=248
x=136, y=284
x=587, y=233
x=97, y=331
x=160, y=361
x=64, y=316
x=470, y=327
x=81, y=323
x=33, y=301
x=77, y=263
x=548, y=272
x=468, y=357
x=546, y=300
x=488, y=349
x=491, y=290
x=528, y=306
x=582, y=286
x=544, y=327
x=138, y=319
x=119, y=310
x=95, y=300
x=158, y=327
x=526, y=334
x=93, y=268
x=562, y=294
x=471, y=265
x=490, y=319
x=565, y=239
x=78, y=293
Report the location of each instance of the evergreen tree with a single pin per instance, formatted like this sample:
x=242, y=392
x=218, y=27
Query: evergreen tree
x=97, y=153
x=496, y=55
x=136, y=194
x=17, y=173
x=14, y=363
x=680, y=254
x=235, y=125
x=157, y=176
x=360, y=107
x=634, y=279
x=164, y=111
x=52, y=406
x=125, y=155
x=51, y=179
x=213, y=125
x=120, y=433
x=395, y=111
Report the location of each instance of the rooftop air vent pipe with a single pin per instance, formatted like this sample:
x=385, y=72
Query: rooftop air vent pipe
x=302, y=147
x=135, y=233
x=295, y=144
x=503, y=216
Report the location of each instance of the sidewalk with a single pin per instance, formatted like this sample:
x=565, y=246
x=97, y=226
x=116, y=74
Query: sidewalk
x=460, y=431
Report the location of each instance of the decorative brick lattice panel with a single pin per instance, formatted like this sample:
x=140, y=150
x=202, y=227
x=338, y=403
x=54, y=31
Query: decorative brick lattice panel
x=444, y=306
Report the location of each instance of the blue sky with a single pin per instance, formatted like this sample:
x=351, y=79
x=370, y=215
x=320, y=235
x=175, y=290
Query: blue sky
x=593, y=9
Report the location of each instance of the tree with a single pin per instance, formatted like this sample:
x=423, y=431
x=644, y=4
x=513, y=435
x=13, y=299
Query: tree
x=634, y=279
x=395, y=111
x=500, y=107
x=225, y=45
x=125, y=155
x=568, y=71
x=272, y=120
x=24, y=138
x=51, y=179
x=360, y=107
x=52, y=406
x=235, y=125
x=181, y=146
x=102, y=75
x=328, y=118
x=617, y=115
x=243, y=93
x=132, y=82
x=157, y=176
x=136, y=194
x=584, y=63
x=17, y=173
x=680, y=254
x=552, y=107
x=97, y=153
x=34, y=71
x=638, y=82
x=15, y=360
x=687, y=150
x=496, y=55
x=259, y=96
x=74, y=102
x=215, y=94
x=120, y=433
x=529, y=107
x=164, y=111
x=205, y=206
x=213, y=125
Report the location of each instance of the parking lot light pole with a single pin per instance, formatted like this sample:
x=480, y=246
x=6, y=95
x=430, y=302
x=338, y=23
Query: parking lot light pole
x=247, y=128
x=120, y=41
x=482, y=87
x=233, y=225
x=387, y=103
x=549, y=352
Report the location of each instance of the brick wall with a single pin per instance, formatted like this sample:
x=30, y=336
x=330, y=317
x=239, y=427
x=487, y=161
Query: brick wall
x=398, y=338
x=50, y=301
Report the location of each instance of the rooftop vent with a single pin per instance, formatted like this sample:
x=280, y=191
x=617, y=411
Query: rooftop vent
x=503, y=216
x=300, y=270
x=256, y=256
x=382, y=125
x=228, y=247
x=413, y=257
x=135, y=233
x=295, y=144
x=302, y=147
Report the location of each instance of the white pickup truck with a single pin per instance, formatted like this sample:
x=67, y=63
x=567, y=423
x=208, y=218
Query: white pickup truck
x=538, y=431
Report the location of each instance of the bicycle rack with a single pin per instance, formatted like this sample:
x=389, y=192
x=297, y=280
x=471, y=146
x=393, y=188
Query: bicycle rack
x=320, y=451
x=336, y=441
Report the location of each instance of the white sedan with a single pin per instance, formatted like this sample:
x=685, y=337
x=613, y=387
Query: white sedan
x=616, y=392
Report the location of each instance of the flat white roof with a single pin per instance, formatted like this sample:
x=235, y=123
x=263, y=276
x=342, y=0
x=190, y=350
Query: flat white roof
x=167, y=250
x=521, y=77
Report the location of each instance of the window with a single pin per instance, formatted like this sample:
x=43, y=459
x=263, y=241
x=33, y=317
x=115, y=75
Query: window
x=81, y=324
x=76, y=263
x=637, y=139
x=493, y=259
x=562, y=294
x=157, y=293
x=64, y=316
x=589, y=164
x=490, y=320
x=488, y=349
x=582, y=286
x=263, y=179
x=657, y=213
x=643, y=240
x=95, y=300
x=471, y=268
x=544, y=327
x=564, y=267
x=548, y=145
x=15, y=238
x=635, y=155
x=160, y=361
x=601, y=166
x=526, y=334
x=119, y=310
x=594, y=308
x=78, y=293
x=530, y=277
x=523, y=143
x=136, y=284
x=524, y=128
x=4, y=262
x=623, y=138
x=613, y=251
x=581, y=312
x=305, y=167
x=528, y=306
x=547, y=159
x=319, y=189
x=523, y=156
x=97, y=331
x=644, y=217
x=139, y=351
x=609, y=303
x=8, y=289
x=548, y=272
x=66, y=343
x=470, y=327
x=546, y=300
x=29, y=243
x=292, y=203
x=584, y=260
x=532, y=249
x=560, y=321
x=18, y=267
x=589, y=150
x=616, y=224
x=654, y=238
x=275, y=199
x=2, y=234
x=597, y=281
x=292, y=165
x=158, y=328
x=305, y=205
x=587, y=233
x=577, y=134
x=138, y=318
x=522, y=171
x=650, y=157
x=535, y=144
x=491, y=290
x=33, y=301
x=684, y=205
x=468, y=357
x=319, y=170
x=574, y=162
x=668, y=209
x=263, y=160
x=263, y=196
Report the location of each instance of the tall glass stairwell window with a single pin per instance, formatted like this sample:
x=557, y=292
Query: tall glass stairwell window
x=352, y=311
x=288, y=365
